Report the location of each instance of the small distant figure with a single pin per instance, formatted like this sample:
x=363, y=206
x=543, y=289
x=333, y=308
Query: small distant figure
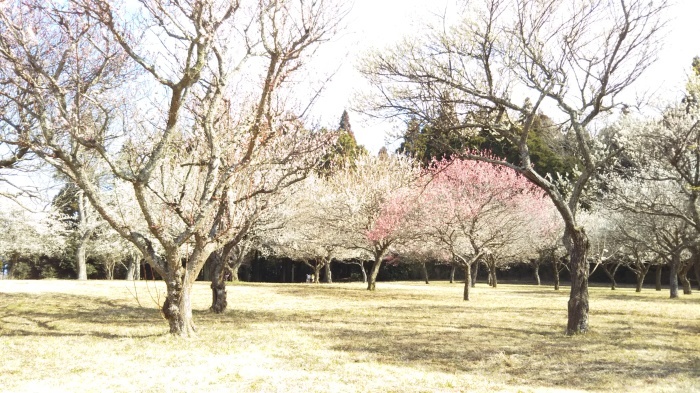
x=308, y=278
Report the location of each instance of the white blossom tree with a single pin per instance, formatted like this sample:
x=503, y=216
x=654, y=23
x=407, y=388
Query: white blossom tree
x=25, y=234
x=501, y=62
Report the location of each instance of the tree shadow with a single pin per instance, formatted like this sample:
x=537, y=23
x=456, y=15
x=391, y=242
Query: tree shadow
x=523, y=354
x=59, y=314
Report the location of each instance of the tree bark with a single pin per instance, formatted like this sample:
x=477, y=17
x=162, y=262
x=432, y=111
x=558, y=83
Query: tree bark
x=536, y=265
x=673, y=278
x=317, y=272
x=425, y=273
x=219, y=300
x=493, y=280
x=577, y=242
x=452, y=273
x=80, y=259
x=371, y=284
x=555, y=263
x=467, y=281
x=683, y=278
x=475, y=274
x=85, y=234
x=329, y=277
x=659, y=267
x=133, y=272
x=177, y=307
x=364, y=272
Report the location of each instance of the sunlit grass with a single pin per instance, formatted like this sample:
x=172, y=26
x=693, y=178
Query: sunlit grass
x=405, y=337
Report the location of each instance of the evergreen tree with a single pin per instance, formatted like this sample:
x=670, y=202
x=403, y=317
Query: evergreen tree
x=346, y=150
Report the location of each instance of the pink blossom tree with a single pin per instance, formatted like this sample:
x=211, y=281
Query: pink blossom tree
x=373, y=205
x=479, y=211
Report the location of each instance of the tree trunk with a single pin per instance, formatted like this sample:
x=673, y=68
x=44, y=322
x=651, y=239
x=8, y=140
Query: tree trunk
x=696, y=267
x=177, y=307
x=425, y=273
x=133, y=272
x=683, y=277
x=364, y=272
x=476, y=273
x=537, y=273
x=13, y=265
x=317, y=273
x=452, y=273
x=555, y=263
x=80, y=259
x=371, y=284
x=329, y=277
x=640, y=273
x=218, y=284
x=673, y=278
x=493, y=280
x=659, y=267
x=577, y=321
x=110, y=270
x=611, y=276
x=467, y=281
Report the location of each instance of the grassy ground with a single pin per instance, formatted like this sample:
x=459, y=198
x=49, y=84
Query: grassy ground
x=406, y=337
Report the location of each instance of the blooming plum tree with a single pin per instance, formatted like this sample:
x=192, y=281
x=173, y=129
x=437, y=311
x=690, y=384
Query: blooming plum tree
x=476, y=210
x=371, y=205
x=501, y=62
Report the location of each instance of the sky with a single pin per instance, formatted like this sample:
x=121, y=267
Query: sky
x=379, y=23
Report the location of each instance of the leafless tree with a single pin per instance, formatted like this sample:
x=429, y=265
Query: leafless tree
x=177, y=101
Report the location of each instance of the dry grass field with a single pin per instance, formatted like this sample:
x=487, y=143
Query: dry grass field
x=100, y=336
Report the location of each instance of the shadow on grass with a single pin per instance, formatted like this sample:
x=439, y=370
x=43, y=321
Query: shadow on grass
x=58, y=314
x=527, y=355
x=64, y=315
x=522, y=345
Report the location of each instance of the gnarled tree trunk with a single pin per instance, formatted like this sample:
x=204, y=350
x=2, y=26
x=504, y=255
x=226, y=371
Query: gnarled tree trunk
x=577, y=244
x=219, y=300
x=177, y=307
x=372, y=282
